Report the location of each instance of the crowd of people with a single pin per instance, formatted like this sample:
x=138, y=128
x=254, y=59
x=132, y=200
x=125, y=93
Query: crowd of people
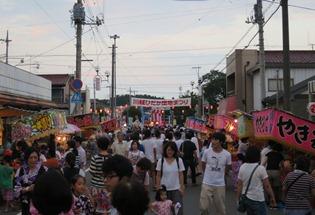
x=126, y=166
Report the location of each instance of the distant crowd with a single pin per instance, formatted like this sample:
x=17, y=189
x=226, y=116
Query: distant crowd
x=113, y=173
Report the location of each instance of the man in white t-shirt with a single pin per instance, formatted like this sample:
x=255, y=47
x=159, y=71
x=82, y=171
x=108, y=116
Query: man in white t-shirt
x=81, y=151
x=150, y=151
x=120, y=146
x=215, y=163
x=158, y=143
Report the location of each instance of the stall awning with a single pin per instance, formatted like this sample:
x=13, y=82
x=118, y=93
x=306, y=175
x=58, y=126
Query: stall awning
x=8, y=99
x=12, y=111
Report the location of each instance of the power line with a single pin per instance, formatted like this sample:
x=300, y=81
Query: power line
x=296, y=6
x=48, y=15
x=56, y=47
x=140, y=52
x=253, y=36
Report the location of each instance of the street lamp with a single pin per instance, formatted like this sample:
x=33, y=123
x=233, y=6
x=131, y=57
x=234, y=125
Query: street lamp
x=97, y=80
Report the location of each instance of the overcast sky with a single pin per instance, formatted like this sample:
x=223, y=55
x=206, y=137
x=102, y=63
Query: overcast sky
x=160, y=40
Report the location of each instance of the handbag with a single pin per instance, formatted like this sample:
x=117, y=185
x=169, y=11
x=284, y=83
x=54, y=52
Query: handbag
x=242, y=204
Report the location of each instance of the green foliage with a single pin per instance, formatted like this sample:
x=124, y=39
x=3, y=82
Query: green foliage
x=132, y=112
x=214, y=89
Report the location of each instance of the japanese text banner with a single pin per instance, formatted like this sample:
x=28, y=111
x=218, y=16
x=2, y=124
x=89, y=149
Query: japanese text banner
x=285, y=128
x=162, y=103
x=197, y=125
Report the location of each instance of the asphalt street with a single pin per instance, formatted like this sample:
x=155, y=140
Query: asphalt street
x=191, y=200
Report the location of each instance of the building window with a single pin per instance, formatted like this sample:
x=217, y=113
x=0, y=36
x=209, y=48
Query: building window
x=58, y=95
x=272, y=84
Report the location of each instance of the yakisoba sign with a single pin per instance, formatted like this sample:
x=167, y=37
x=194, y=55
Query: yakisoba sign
x=162, y=103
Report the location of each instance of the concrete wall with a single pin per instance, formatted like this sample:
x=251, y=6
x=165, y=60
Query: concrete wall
x=20, y=82
x=238, y=64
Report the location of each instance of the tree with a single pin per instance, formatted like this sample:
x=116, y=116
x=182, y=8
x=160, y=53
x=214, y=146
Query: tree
x=215, y=87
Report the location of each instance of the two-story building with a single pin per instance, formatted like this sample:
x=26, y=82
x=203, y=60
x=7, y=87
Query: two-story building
x=62, y=92
x=243, y=84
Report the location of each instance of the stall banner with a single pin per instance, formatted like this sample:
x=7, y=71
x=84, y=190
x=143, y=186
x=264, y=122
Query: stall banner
x=160, y=103
x=245, y=127
x=286, y=128
x=196, y=125
x=226, y=123
x=84, y=120
x=110, y=125
x=38, y=125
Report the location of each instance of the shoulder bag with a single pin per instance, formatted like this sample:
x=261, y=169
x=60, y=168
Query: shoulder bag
x=242, y=204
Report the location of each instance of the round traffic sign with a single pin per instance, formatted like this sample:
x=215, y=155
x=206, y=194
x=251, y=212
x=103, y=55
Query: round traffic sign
x=77, y=84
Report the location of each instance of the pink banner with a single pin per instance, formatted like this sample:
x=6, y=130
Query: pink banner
x=285, y=128
x=197, y=125
x=110, y=125
x=160, y=103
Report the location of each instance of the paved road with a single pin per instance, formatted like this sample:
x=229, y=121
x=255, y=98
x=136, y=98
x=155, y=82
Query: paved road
x=191, y=201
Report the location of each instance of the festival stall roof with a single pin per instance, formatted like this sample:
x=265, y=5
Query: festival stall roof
x=12, y=111
x=15, y=105
x=70, y=129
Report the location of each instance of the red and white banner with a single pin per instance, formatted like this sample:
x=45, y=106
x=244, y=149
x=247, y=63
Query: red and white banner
x=160, y=103
x=157, y=116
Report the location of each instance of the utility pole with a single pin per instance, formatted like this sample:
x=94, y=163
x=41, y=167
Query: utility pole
x=113, y=97
x=259, y=19
x=286, y=55
x=7, y=47
x=200, y=105
x=78, y=18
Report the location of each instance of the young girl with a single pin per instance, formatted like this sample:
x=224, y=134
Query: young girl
x=82, y=204
x=162, y=205
x=6, y=182
x=135, y=154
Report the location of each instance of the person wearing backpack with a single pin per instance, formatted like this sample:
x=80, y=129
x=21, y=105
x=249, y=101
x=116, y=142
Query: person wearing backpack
x=170, y=170
x=188, y=153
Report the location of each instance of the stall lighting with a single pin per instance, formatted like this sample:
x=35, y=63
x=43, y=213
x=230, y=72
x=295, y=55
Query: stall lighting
x=235, y=120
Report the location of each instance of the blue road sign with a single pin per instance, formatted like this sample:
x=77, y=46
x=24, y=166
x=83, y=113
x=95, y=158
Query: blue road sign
x=76, y=84
x=76, y=98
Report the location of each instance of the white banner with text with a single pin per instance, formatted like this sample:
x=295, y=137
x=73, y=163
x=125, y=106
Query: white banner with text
x=160, y=103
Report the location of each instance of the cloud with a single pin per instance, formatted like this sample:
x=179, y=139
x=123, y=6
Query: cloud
x=7, y=5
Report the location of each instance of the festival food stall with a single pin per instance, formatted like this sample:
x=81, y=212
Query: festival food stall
x=64, y=135
x=199, y=126
x=87, y=123
x=285, y=128
x=38, y=125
